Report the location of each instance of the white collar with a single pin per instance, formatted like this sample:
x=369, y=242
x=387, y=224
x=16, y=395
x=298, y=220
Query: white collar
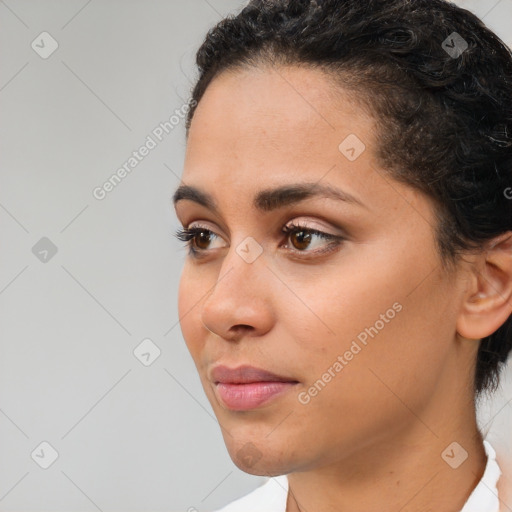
x=272, y=495
x=484, y=497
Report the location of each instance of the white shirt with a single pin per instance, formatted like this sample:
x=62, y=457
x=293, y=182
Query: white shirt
x=271, y=496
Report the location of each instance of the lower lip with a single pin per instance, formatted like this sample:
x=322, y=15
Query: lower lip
x=243, y=397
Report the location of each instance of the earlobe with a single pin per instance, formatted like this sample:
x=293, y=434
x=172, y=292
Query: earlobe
x=487, y=303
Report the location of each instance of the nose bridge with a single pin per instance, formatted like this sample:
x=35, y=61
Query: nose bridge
x=234, y=298
x=243, y=264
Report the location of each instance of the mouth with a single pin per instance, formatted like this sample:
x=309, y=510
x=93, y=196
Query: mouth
x=246, y=387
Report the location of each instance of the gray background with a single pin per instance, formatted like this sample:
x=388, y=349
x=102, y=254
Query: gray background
x=129, y=437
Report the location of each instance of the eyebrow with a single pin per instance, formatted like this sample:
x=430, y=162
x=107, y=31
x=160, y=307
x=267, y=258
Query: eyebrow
x=270, y=199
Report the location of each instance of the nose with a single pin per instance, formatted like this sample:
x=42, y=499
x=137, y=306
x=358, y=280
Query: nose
x=239, y=304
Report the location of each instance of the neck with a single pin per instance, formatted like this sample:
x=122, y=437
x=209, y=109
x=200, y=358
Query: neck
x=405, y=472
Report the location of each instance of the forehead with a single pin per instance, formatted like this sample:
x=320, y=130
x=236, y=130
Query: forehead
x=273, y=122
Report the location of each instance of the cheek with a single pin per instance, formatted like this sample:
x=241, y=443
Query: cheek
x=386, y=362
x=380, y=325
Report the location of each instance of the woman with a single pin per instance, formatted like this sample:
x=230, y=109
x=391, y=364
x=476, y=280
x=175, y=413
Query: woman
x=348, y=288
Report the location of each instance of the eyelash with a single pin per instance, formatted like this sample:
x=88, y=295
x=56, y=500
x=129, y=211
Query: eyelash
x=188, y=234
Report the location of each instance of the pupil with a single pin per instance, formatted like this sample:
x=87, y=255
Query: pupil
x=203, y=237
x=302, y=238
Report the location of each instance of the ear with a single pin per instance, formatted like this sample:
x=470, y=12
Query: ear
x=487, y=302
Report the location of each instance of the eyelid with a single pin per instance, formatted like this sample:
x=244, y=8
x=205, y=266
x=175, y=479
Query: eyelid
x=313, y=225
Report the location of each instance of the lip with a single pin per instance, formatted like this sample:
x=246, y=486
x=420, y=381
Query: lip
x=245, y=374
x=246, y=387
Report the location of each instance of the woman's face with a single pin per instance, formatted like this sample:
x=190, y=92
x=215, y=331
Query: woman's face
x=361, y=328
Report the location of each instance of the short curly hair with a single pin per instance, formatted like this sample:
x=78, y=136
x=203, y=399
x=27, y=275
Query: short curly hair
x=439, y=82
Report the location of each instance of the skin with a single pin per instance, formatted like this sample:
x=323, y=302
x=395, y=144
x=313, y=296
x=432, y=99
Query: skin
x=372, y=438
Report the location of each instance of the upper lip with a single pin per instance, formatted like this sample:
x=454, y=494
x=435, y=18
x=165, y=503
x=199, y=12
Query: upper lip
x=244, y=375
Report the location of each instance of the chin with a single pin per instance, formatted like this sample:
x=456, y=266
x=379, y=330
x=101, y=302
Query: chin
x=257, y=456
x=265, y=466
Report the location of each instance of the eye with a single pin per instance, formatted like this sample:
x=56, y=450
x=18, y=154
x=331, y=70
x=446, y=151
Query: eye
x=301, y=237
x=195, y=237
